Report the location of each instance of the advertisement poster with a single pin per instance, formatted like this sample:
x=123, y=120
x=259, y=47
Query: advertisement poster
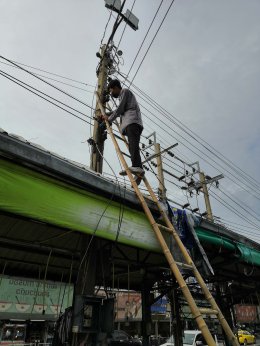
x=27, y=296
x=245, y=313
x=128, y=306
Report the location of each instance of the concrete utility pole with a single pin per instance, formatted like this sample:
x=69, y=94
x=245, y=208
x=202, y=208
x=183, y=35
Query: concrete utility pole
x=203, y=184
x=98, y=134
x=206, y=196
x=161, y=189
x=158, y=155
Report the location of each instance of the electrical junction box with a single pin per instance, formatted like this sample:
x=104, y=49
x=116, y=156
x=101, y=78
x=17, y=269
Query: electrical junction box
x=93, y=314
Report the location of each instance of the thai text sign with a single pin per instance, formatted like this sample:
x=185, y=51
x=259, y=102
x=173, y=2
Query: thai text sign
x=21, y=295
x=245, y=313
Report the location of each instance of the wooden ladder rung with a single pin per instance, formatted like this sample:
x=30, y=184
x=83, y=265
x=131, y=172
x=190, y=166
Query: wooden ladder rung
x=207, y=311
x=164, y=228
x=184, y=265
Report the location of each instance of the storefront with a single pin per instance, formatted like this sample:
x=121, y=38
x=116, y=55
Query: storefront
x=29, y=308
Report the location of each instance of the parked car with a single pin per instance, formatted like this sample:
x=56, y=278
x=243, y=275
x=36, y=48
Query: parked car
x=192, y=338
x=245, y=337
x=121, y=338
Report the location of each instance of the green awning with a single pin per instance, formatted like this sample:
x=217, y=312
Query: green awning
x=245, y=253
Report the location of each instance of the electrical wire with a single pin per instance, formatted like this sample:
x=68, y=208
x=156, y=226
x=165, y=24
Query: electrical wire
x=147, y=32
x=191, y=148
x=4, y=74
x=53, y=86
x=105, y=30
x=243, y=187
x=50, y=73
x=53, y=79
x=44, y=98
x=152, y=42
x=188, y=131
x=235, y=223
x=151, y=99
x=124, y=28
x=172, y=182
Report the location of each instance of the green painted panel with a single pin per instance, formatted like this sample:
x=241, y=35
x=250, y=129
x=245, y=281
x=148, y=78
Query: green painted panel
x=37, y=196
x=31, y=194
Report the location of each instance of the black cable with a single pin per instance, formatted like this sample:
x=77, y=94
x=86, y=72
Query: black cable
x=53, y=79
x=167, y=132
x=76, y=116
x=238, y=224
x=105, y=30
x=124, y=28
x=115, y=27
x=152, y=41
x=228, y=206
x=41, y=92
x=147, y=32
x=238, y=204
x=163, y=112
x=193, y=146
x=54, y=74
x=53, y=86
x=198, y=149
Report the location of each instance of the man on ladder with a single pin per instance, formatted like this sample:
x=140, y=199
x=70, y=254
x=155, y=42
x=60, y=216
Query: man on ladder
x=131, y=124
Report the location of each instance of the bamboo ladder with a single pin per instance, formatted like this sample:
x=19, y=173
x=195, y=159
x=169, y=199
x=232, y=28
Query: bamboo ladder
x=196, y=311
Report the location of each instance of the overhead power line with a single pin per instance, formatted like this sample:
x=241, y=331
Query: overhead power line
x=121, y=37
x=151, y=100
x=147, y=32
x=53, y=79
x=191, y=147
x=152, y=41
x=33, y=91
x=51, y=73
x=196, y=137
x=43, y=80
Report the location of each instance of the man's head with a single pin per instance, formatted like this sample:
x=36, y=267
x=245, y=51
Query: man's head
x=114, y=88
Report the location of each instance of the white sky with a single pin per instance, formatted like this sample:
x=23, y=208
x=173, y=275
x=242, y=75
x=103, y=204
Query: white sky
x=203, y=67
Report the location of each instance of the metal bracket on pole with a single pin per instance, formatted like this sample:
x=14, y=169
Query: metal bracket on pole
x=199, y=185
x=160, y=153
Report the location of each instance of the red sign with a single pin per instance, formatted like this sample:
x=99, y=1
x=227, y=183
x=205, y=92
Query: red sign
x=245, y=313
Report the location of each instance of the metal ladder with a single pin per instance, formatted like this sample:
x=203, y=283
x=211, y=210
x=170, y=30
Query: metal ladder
x=174, y=266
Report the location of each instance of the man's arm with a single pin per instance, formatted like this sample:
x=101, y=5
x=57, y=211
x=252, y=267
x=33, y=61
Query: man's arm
x=121, y=107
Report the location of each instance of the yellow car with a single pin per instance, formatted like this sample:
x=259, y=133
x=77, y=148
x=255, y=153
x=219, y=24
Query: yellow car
x=245, y=337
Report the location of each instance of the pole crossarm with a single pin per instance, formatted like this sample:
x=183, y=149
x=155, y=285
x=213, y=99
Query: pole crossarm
x=160, y=153
x=199, y=185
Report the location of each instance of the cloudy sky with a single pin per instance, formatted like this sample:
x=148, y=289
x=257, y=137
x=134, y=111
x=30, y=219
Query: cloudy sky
x=203, y=68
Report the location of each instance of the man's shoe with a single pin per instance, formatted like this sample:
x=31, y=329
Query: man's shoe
x=135, y=170
x=138, y=180
x=123, y=173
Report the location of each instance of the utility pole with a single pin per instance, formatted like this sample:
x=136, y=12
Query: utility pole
x=206, y=196
x=161, y=189
x=159, y=164
x=98, y=133
x=106, y=67
x=203, y=182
